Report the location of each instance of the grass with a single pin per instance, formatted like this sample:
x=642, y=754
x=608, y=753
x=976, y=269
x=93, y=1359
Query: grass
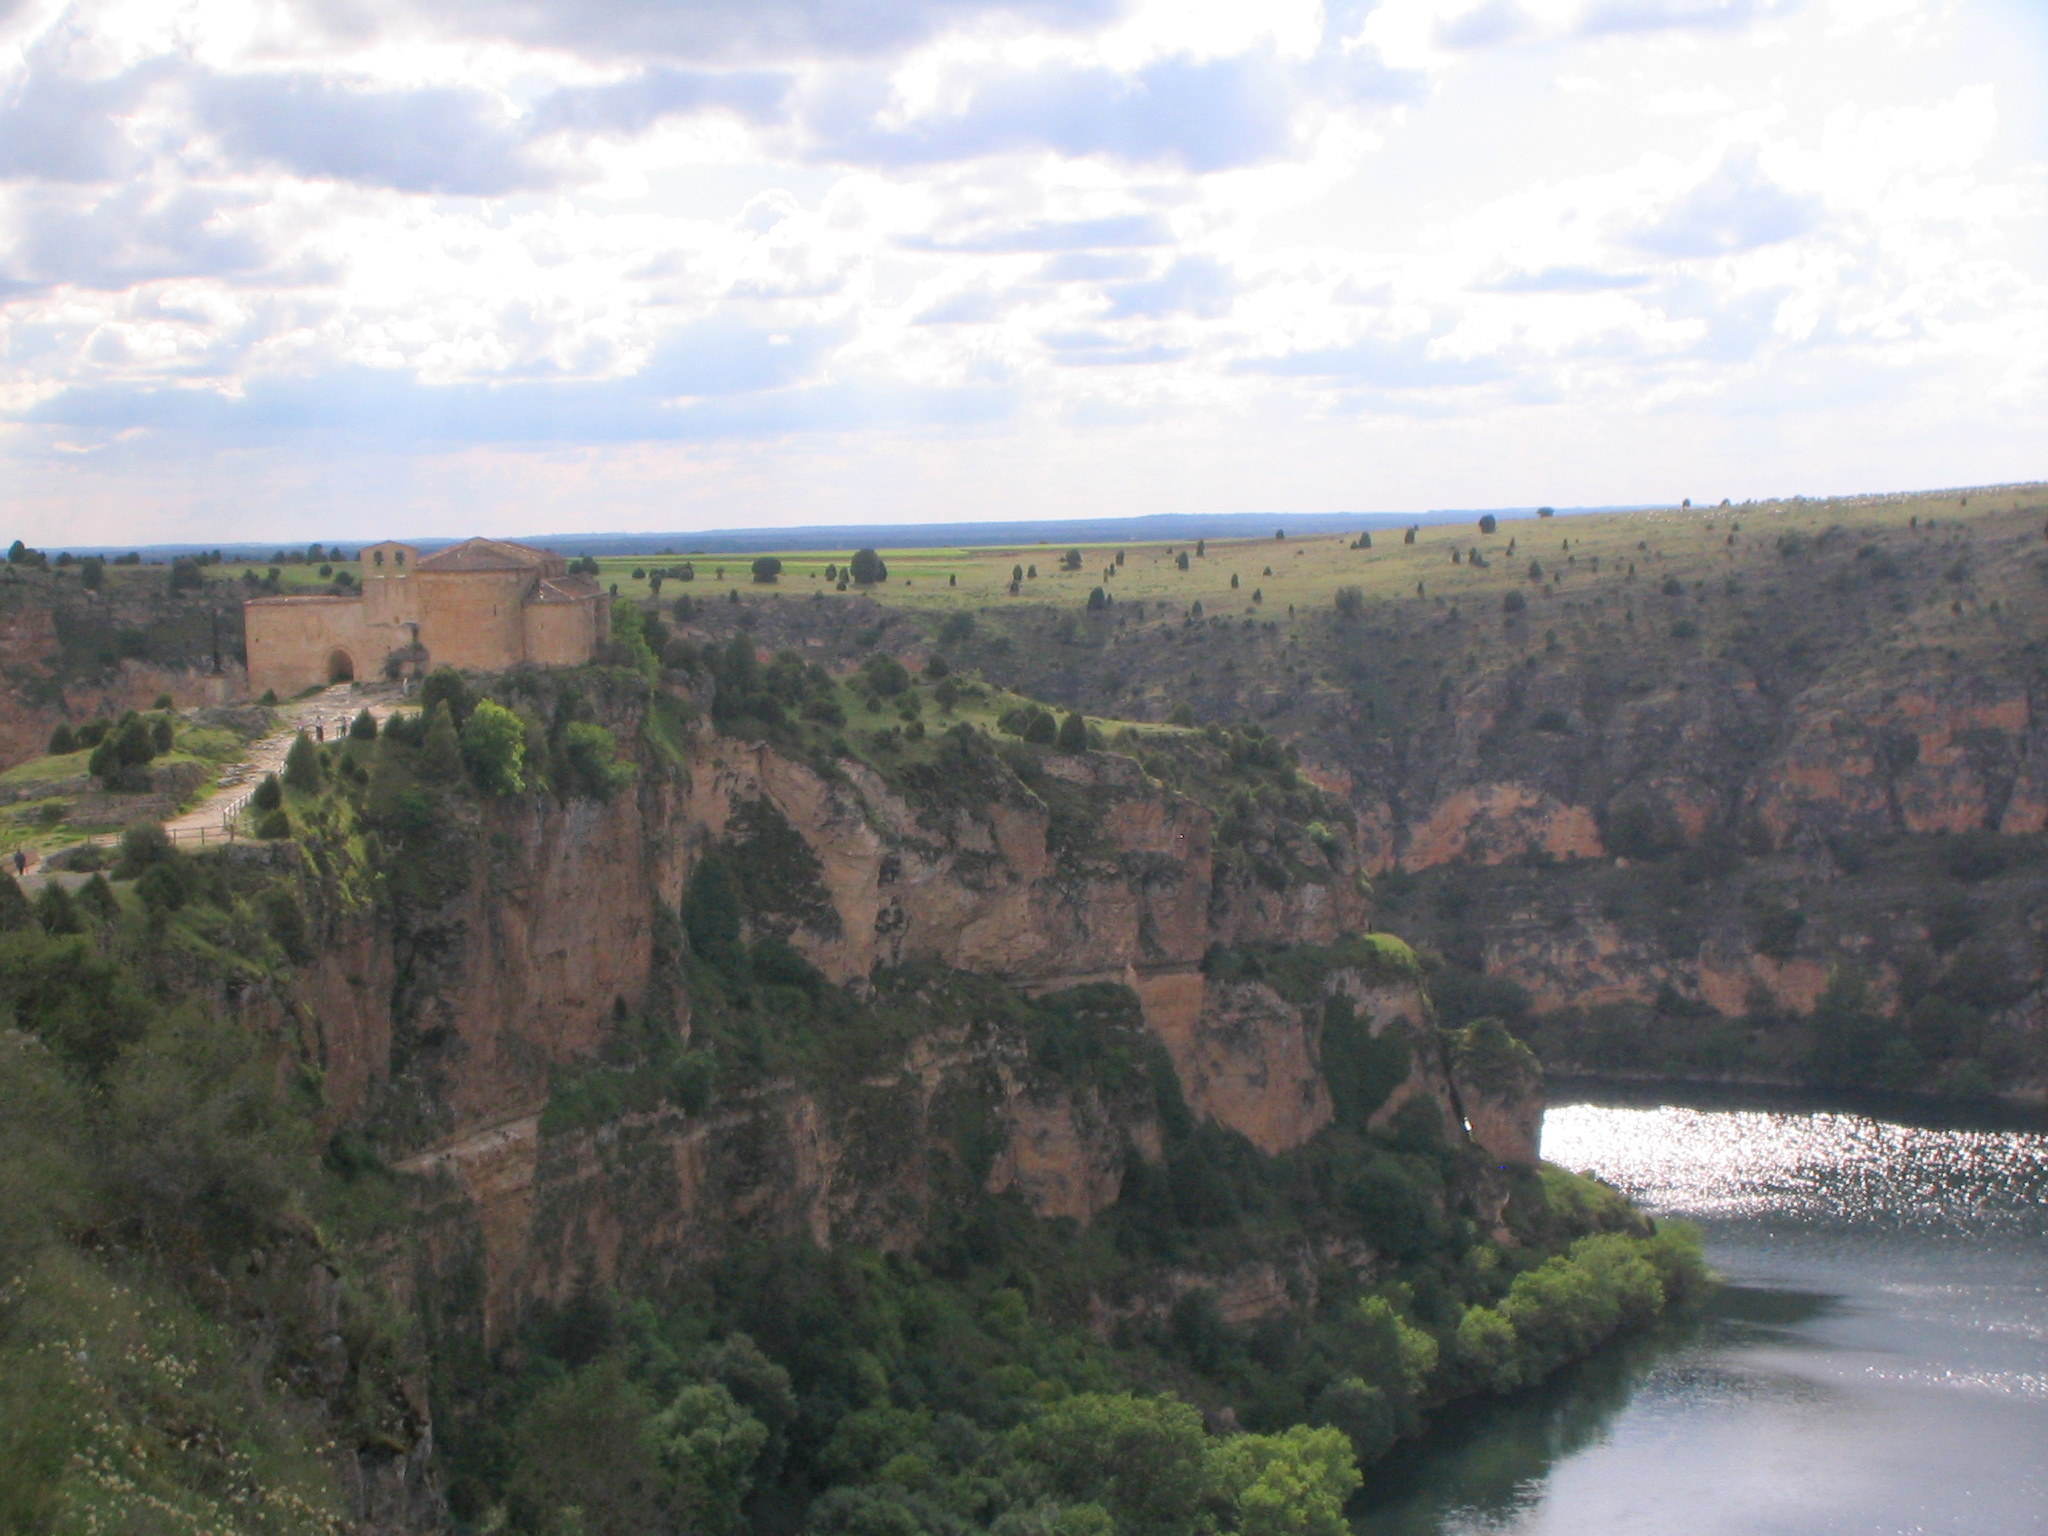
x=1691, y=544
x=45, y=823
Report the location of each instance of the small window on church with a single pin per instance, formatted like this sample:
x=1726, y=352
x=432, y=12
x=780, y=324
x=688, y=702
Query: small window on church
x=399, y=556
x=378, y=557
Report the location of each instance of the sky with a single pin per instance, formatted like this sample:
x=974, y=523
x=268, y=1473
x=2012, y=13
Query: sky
x=285, y=269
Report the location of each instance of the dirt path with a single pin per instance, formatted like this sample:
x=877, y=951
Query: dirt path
x=326, y=713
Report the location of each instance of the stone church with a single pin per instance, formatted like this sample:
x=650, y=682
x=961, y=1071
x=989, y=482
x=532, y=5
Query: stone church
x=482, y=606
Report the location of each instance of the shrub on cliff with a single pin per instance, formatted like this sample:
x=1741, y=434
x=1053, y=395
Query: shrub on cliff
x=303, y=771
x=444, y=685
x=1073, y=734
x=494, y=749
x=62, y=742
x=268, y=795
x=441, y=750
x=121, y=760
x=588, y=763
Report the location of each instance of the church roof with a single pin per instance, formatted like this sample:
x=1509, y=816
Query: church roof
x=565, y=589
x=487, y=555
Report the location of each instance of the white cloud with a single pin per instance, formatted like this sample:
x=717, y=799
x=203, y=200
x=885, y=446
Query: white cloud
x=1052, y=256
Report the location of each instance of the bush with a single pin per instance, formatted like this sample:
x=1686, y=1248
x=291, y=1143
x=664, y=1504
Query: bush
x=1073, y=734
x=494, y=749
x=304, y=773
x=444, y=685
x=62, y=742
x=867, y=568
x=1350, y=602
x=440, y=749
x=1488, y=523
x=767, y=569
x=885, y=675
x=143, y=846
x=589, y=756
x=273, y=826
x=1512, y=603
x=363, y=727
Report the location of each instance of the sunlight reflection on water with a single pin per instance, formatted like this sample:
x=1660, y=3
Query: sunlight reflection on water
x=1828, y=1168
x=1876, y=1361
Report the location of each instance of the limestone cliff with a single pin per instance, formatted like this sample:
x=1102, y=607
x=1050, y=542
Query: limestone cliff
x=451, y=1003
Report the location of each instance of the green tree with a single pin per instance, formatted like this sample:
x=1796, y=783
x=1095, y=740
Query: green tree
x=1488, y=523
x=15, y=912
x=56, y=912
x=1097, y=600
x=590, y=761
x=867, y=568
x=444, y=685
x=629, y=642
x=268, y=795
x=62, y=742
x=766, y=569
x=1143, y=1459
x=96, y=897
x=588, y=1458
x=1294, y=1483
x=363, y=727
x=440, y=752
x=708, y=1447
x=304, y=773
x=1073, y=736
x=494, y=749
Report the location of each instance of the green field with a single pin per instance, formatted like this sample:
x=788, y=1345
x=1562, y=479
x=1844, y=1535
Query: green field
x=1580, y=556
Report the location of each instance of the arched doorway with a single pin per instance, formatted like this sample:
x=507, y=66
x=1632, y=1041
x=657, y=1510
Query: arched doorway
x=340, y=667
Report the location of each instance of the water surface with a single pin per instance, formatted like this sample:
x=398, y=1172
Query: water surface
x=1876, y=1362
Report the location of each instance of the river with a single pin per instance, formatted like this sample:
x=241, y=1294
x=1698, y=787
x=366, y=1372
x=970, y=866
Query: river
x=1876, y=1361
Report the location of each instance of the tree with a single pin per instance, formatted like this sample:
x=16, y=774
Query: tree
x=885, y=674
x=440, y=751
x=444, y=685
x=1233, y=581
x=122, y=755
x=1513, y=603
x=1201, y=548
x=588, y=1458
x=1291, y=1484
x=708, y=1446
x=1409, y=536
x=303, y=770
x=15, y=913
x=363, y=727
x=56, y=911
x=868, y=568
x=1071, y=560
x=1488, y=523
x=590, y=761
x=766, y=569
x=1073, y=735
x=494, y=749
x=92, y=573
x=1180, y=561
x=62, y=742
x=269, y=795
x=1143, y=1459
x=1546, y=511
x=1350, y=602
x=1097, y=600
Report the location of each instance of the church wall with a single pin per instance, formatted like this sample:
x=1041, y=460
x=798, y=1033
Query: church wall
x=473, y=620
x=291, y=641
x=561, y=634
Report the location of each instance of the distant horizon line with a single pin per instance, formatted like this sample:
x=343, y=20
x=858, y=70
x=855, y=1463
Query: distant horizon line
x=982, y=533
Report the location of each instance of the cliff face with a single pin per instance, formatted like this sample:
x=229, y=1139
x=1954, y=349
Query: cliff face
x=67, y=655
x=445, y=1015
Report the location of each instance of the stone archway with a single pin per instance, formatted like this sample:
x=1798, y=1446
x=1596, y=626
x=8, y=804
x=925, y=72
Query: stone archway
x=341, y=667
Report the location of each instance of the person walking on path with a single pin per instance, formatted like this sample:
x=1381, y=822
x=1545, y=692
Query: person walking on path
x=20, y=862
